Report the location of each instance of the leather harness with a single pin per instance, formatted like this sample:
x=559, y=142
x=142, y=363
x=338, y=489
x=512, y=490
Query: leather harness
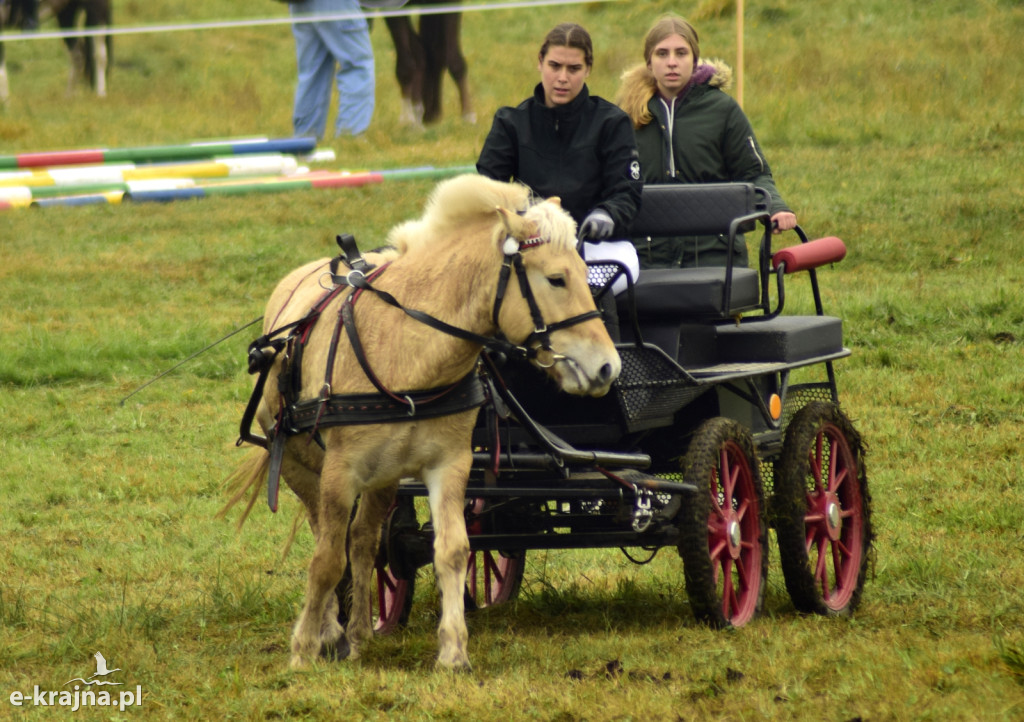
x=329, y=409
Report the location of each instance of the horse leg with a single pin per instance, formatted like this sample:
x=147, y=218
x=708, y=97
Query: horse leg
x=364, y=540
x=455, y=61
x=5, y=90
x=76, y=58
x=432, y=35
x=447, y=492
x=317, y=627
x=440, y=35
x=97, y=14
x=96, y=64
x=409, y=63
x=75, y=46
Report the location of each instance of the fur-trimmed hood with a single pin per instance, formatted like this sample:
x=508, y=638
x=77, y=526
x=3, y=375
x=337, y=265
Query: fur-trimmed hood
x=637, y=86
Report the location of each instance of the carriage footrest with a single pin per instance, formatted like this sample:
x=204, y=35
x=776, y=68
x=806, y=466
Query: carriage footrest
x=783, y=338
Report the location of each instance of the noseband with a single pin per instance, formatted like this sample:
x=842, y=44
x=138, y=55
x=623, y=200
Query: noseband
x=541, y=334
x=358, y=278
x=329, y=409
x=538, y=340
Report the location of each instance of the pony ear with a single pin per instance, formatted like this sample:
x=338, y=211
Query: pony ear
x=556, y=200
x=515, y=225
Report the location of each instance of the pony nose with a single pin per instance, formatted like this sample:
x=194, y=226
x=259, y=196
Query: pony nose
x=604, y=374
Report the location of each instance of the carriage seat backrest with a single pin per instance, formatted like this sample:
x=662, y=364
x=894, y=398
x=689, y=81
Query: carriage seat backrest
x=696, y=210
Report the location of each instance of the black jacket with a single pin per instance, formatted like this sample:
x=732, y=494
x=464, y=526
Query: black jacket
x=583, y=152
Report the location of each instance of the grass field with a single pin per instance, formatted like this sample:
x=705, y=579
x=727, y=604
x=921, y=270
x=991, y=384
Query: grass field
x=898, y=128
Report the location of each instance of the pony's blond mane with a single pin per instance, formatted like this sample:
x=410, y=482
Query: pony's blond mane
x=470, y=199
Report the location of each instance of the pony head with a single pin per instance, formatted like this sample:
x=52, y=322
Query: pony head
x=581, y=358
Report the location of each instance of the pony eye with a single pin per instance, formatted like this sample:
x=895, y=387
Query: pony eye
x=557, y=281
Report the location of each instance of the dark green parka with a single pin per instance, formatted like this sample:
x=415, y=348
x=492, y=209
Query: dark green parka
x=703, y=137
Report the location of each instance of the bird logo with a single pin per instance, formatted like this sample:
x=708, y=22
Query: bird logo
x=101, y=671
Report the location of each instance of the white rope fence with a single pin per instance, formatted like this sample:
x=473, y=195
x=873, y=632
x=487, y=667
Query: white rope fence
x=263, y=22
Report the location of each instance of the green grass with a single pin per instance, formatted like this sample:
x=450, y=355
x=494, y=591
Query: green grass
x=898, y=128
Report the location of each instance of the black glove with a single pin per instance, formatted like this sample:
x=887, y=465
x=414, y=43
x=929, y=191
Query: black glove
x=598, y=225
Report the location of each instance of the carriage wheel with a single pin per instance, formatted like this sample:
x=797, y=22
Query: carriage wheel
x=723, y=535
x=390, y=599
x=393, y=600
x=822, y=512
x=491, y=577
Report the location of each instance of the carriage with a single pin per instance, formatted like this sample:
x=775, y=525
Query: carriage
x=690, y=412
x=724, y=422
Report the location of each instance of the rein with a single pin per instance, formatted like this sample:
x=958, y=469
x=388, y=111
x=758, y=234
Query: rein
x=513, y=261
x=331, y=409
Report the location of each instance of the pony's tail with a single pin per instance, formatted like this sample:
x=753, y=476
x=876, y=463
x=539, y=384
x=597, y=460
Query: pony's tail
x=246, y=480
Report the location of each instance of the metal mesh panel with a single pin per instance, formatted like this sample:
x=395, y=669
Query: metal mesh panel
x=801, y=395
x=601, y=274
x=797, y=397
x=651, y=385
x=767, y=467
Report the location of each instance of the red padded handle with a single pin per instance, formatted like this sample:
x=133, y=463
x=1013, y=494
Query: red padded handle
x=810, y=255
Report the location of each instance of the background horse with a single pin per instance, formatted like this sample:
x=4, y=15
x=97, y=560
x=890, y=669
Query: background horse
x=447, y=264
x=421, y=59
x=5, y=88
x=89, y=59
x=12, y=15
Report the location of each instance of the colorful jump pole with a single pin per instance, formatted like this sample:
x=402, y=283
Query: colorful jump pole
x=272, y=185
x=220, y=167
x=156, y=153
x=427, y=171
x=110, y=197
x=171, y=188
x=22, y=196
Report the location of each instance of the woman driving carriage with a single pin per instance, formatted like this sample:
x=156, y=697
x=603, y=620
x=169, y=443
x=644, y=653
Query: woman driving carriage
x=688, y=130
x=565, y=142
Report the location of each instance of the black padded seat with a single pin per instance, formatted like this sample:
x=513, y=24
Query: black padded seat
x=698, y=209
x=687, y=293
x=784, y=338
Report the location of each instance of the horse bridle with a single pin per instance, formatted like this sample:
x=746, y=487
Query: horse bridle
x=359, y=279
x=512, y=249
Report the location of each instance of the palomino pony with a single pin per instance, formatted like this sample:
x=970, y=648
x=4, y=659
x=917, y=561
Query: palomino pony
x=421, y=59
x=349, y=417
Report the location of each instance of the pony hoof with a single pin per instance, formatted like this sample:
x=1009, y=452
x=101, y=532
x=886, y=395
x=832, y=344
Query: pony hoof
x=297, y=662
x=458, y=666
x=335, y=651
